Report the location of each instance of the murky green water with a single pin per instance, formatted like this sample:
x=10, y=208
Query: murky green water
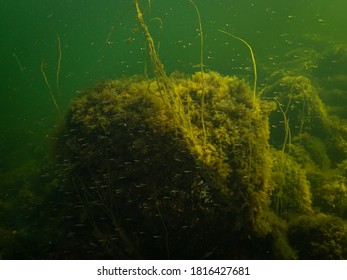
x=55, y=49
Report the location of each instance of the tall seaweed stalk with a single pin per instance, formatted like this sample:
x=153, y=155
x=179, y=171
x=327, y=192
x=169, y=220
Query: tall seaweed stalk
x=202, y=73
x=43, y=64
x=253, y=61
x=171, y=99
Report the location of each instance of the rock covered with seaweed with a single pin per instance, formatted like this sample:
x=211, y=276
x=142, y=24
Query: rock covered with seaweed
x=181, y=161
x=140, y=171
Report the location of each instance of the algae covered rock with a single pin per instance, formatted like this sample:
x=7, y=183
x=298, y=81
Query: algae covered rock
x=319, y=237
x=300, y=109
x=154, y=177
x=292, y=190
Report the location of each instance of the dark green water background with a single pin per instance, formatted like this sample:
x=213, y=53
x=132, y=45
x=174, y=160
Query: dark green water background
x=28, y=33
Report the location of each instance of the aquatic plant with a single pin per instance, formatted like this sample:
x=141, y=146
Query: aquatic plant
x=292, y=190
x=253, y=61
x=170, y=98
x=320, y=237
x=42, y=69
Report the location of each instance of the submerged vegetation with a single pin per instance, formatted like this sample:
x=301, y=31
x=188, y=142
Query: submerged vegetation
x=194, y=166
x=124, y=142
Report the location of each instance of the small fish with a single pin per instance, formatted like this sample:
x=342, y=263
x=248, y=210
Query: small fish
x=79, y=225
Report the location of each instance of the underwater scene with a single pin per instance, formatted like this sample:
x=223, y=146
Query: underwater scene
x=173, y=129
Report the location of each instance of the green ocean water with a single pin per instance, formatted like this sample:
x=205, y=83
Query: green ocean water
x=102, y=40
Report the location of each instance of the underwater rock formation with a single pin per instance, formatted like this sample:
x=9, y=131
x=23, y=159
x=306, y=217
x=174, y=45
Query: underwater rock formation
x=157, y=185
